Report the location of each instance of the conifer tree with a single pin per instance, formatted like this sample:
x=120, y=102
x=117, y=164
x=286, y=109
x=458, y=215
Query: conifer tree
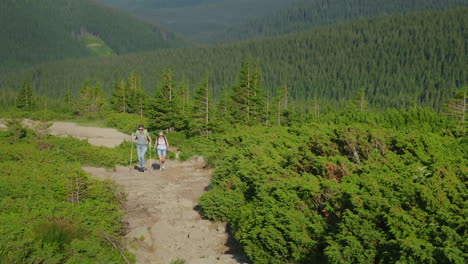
x=247, y=96
x=360, y=101
x=136, y=95
x=183, y=94
x=201, y=108
x=25, y=99
x=163, y=109
x=280, y=105
x=223, y=113
x=458, y=104
x=68, y=100
x=91, y=100
x=120, y=97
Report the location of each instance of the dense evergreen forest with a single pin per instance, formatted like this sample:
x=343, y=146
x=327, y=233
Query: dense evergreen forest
x=311, y=13
x=199, y=19
x=36, y=31
x=399, y=60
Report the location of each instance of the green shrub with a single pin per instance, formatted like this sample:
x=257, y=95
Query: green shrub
x=126, y=123
x=350, y=187
x=50, y=210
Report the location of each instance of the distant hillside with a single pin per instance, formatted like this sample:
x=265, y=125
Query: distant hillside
x=198, y=20
x=37, y=31
x=310, y=13
x=400, y=60
x=157, y=3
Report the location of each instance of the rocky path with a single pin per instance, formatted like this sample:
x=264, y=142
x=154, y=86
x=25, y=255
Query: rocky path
x=161, y=209
x=164, y=224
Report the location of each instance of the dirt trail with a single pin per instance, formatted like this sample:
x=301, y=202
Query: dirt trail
x=163, y=222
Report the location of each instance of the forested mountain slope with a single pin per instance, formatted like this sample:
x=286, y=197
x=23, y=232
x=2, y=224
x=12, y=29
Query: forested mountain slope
x=199, y=19
x=38, y=31
x=400, y=60
x=309, y=13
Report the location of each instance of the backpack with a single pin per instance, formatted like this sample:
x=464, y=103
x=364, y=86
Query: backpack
x=137, y=134
x=165, y=141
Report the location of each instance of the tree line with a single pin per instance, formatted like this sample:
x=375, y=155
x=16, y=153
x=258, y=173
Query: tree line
x=173, y=107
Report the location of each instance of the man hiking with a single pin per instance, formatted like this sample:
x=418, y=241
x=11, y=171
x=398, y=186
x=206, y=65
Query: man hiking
x=143, y=139
x=161, y=145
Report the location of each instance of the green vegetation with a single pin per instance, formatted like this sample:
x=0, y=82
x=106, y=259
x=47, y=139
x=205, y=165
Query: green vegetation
x=97, y=46
x=306, y=14
x=348, y=187
x=199, y=19
x=382, y=180
x=50, y=210
x=404, y=60
x=36, y=31
x=351, y=186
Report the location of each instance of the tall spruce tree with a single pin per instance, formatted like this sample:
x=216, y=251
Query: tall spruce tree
x=223, y=117
x=281, y=105
x=91, y=100
x=360, y=101
x=136, y=96
x=201, y=109
x=25, y=99
x=120, y=97
x=247, y=98
x=183, y=94
x=458, y=104
x=164, y=110
x=68, y=100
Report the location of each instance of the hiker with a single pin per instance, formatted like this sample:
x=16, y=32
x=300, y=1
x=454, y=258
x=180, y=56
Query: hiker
x=143, y=138
x=161, y=145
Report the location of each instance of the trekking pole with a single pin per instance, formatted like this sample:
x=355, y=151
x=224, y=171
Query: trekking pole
x=131, y=158
x=151, y=161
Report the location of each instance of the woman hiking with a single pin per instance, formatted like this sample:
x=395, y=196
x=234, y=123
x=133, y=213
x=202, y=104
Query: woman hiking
x=161, y=145
x=143, y=139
